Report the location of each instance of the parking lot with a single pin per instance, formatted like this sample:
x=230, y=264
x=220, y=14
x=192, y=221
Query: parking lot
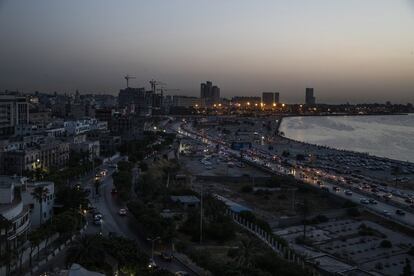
x=360, y=243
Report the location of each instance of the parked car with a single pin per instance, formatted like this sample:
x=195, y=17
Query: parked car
x=348, y=193
x=372, y=201
x=364, y=201
x=400, y=212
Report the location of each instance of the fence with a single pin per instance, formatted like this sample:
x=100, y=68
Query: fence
x=279, y=248
x=25, y=255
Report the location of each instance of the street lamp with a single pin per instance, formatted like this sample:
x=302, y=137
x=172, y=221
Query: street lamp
x=152, y=246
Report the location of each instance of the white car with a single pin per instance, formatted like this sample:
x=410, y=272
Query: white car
x=122, y=212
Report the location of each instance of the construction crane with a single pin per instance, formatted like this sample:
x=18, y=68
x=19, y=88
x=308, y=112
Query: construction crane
x=128, y=77
x=155, y=83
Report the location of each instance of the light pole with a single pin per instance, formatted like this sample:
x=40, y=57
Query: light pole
x=201, y=214
x=152, y=246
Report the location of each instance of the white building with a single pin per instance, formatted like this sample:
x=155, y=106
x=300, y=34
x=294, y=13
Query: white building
x=84, y=126
x=185, y=101
x=14, y=210
x=47, y=203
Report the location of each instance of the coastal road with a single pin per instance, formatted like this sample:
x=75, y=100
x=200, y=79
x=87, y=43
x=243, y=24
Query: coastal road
x=385, y=210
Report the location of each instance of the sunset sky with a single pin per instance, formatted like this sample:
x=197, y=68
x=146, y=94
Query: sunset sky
x=348, y=50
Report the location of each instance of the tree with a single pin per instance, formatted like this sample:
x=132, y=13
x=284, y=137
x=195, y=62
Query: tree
x=6, y=255
x=385, y=244
x=244, y=257
x=87, y=251
x=5, y=225
x=407, y=268
x=40, y=194
x=35, y=239
x=304, y=210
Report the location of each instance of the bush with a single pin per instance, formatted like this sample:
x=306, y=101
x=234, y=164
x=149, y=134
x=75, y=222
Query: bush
x=385, y=244
x=319, y=219
x=246, y=189
x=353, y=212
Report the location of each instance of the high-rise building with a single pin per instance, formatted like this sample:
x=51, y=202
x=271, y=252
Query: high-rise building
x=14, y=111
x=268, y=98
x=310, y=98
x=277, y=97
x=184, y=101
x=209, y=94
x=136, y=100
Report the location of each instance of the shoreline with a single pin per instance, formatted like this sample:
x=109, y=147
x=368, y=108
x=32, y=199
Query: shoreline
x=366, y=154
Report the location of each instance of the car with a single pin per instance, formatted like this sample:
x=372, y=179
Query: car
x=372, y=201
x=166, y=256
x=409, y=200
x=364, y=201
x=336, y=189
x=348, y=193
x=114, y=191
x=181, y=273
x=386, y=213
x=97, y=221
x=122, y=212
x=400, y=212
x=325, y=189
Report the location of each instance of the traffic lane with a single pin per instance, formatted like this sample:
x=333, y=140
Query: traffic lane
x=379, y=208
x=127, y=227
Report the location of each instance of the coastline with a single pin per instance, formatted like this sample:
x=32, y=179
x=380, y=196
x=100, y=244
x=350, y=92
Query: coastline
x=316, y=146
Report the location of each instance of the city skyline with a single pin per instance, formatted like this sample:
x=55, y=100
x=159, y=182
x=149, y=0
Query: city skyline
x=349, y=52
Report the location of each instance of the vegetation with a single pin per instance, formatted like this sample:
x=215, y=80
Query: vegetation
x=153, y=224
x=385, y=244
x=123, y=179
x=91, y=251
x=40, y=194
x=138, y=149
x=217, y=226
x=248, y=258
x=249, y=216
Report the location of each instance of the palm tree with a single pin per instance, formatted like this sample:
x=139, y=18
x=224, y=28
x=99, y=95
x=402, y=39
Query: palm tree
x=244, y=257
x=40, y=194
x=5, y=257
x=86, y=250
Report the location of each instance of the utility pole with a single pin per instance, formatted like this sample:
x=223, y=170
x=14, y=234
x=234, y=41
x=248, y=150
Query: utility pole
x=201, y=215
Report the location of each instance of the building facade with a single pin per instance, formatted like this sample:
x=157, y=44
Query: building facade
x=209, y=94
x=310, y=97
x=14, y=111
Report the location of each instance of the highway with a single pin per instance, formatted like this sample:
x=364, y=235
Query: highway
x=383, y=209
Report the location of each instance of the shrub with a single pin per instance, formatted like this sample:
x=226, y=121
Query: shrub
x=246, y=189
x=385, y=244
x=354, y=212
